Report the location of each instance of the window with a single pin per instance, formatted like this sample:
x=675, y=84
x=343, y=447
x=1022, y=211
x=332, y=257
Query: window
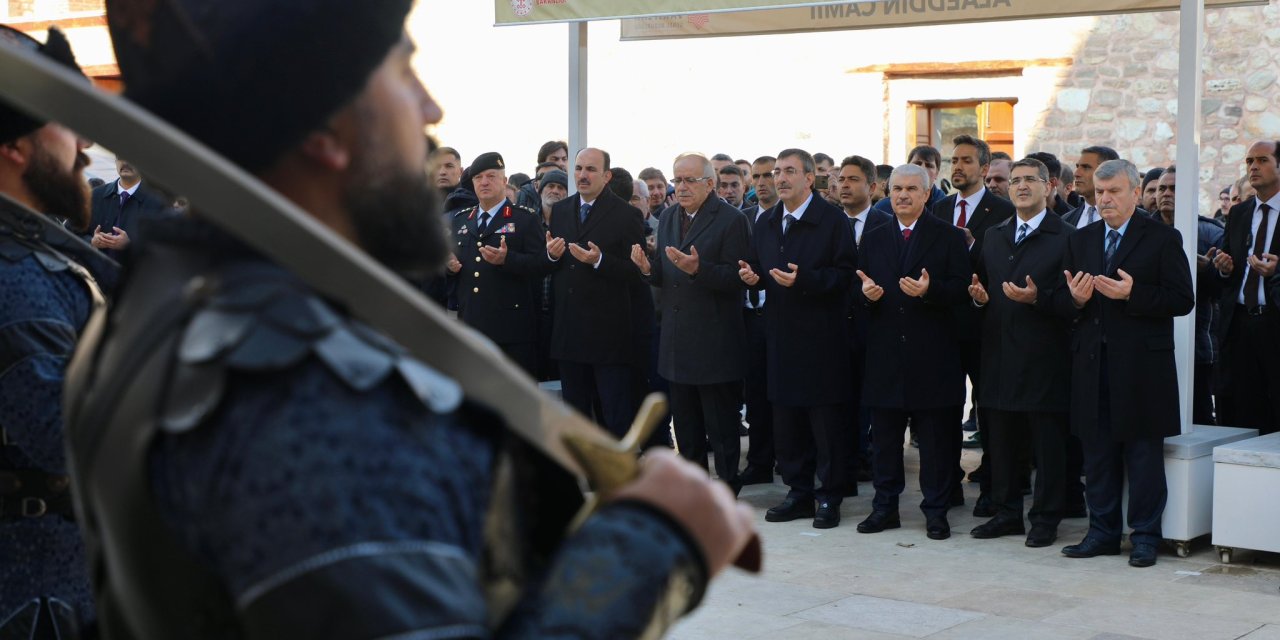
x=936, y=123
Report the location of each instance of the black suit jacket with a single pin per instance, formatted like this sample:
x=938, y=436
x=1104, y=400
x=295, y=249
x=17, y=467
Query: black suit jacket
x=145, y=204
x=1235, y=242
x=913, y=355
x=807, y=334
x=857, y=314
x=501, y=301
x=991, y=211
x=1025, y=348
x=1137, y=333
x=703, y=336
x=593, y=316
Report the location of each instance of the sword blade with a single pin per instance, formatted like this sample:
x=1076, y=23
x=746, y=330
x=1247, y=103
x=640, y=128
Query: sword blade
x=248, y=209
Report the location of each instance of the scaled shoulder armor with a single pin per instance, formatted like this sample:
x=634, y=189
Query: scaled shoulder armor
x=270, y=324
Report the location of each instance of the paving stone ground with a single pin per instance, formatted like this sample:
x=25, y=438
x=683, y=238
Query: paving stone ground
x=841, y=585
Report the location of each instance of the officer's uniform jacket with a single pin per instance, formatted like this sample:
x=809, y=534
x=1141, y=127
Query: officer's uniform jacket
x=501, y=301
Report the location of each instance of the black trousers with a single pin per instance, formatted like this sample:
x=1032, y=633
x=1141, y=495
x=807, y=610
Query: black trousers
x=859, y=421
x=811, y=441
x=935, y=430
x=1016, y=436
x=708, y=413
x=970, y=360
x=760, y=448
x=1202, y=394
x=611, y=384
x=1107, y=462
x=524, y=354
x=1250, y=394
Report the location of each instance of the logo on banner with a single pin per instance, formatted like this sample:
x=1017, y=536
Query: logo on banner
x=522, y=7
x=699, y=21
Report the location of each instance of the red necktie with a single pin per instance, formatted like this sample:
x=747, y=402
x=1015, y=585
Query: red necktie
x=906, y=234
x=964, y=206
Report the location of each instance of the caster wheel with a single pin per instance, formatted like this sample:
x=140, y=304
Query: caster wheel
x=1183, y=549
x=1224, y=554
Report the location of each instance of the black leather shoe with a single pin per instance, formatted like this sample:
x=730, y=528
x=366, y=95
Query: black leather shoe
x=828, y=516
x=1042, y=535
x=790, y=509
x=755, y=475
x=1089, y=547
x=879, y=521
x=937, y=528
x=983, y=508
x=1143, y=555
x=999, y=526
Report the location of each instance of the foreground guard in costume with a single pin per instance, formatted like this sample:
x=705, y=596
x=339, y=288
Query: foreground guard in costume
x=46, y=297
x=279, y=470
x=499, y=260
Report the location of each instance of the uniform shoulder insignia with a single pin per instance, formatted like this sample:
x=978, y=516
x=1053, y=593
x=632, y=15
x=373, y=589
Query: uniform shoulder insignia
x=527, y=208
x=464, y=212
x=269, y=322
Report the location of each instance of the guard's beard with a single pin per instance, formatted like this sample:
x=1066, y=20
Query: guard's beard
x=396, y=215
x=62, y=194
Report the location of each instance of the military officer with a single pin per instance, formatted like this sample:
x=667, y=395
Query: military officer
x=498, y=264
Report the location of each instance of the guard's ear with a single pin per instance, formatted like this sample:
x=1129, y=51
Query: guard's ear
x=327, y=148
x=17, y=152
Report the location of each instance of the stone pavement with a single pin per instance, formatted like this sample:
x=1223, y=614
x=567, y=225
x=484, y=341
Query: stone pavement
x=838, y=584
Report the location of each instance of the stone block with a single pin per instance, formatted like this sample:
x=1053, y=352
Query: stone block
x=1224, y=85
x=1076, y=100
x=1258, y=81
x=1272, y=36
x=1130, y=129
x=1167, y=60
x=1228, y=134
x=1233, y=153
x=1100, y=116
x=1263, y=125
x=1099, y=134
x=1233, y=111
x=1109, y=72
x=1095, y=56
x=1108, y=98
x=1163, y=132
x=1152, y=86
x=1255, y=103
x=1150, y=106
x=1209, y=105
x=1135, y=70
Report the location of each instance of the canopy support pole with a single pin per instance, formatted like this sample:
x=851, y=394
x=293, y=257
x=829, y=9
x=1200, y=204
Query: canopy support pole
x=1186, y=212
x=577, y=94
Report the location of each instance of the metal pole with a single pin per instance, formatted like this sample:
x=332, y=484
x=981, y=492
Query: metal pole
x=577, y=93
x=1190, y=46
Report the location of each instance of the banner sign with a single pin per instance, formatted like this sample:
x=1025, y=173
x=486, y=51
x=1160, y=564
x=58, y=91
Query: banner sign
x=884, y=13
x=507, y=12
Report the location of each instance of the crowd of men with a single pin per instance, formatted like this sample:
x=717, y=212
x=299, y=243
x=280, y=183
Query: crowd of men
x=843, y=307
x=232, y=454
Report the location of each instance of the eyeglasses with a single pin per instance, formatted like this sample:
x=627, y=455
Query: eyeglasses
x=1028, y=180
x=689, y=181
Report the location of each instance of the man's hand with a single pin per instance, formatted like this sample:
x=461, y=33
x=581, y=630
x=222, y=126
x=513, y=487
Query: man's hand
x=978, y=292
x=1025, y=295
x=1115, y=289
x=915, y=288
x=1221, y=261
x=1081, y=287
x=555, y=247
x=496, y=256
x=1264, y=266
x=454, y=266
x=640, y=259
x=870, y=289
x=118, y=239
x=97, y=239
x=686, y=262
x=748, y=276
x=785, y=278
x=704, y=508
x=590, y=255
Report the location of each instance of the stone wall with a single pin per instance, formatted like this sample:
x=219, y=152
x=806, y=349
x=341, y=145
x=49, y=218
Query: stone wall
x=1122, y=91
x=48, y=8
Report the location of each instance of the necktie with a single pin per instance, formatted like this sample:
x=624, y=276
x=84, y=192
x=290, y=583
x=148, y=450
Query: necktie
x=964, y=209
x=484, y=222
x=787, y=221
x=906, y=234
x=1251, y=298
x=1113, y=242
x=582, y=213
x=124, y=197
x=753, y=297
x=853, y=226
x=1092, y=215
x=1022, y=233
x=686, y=221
